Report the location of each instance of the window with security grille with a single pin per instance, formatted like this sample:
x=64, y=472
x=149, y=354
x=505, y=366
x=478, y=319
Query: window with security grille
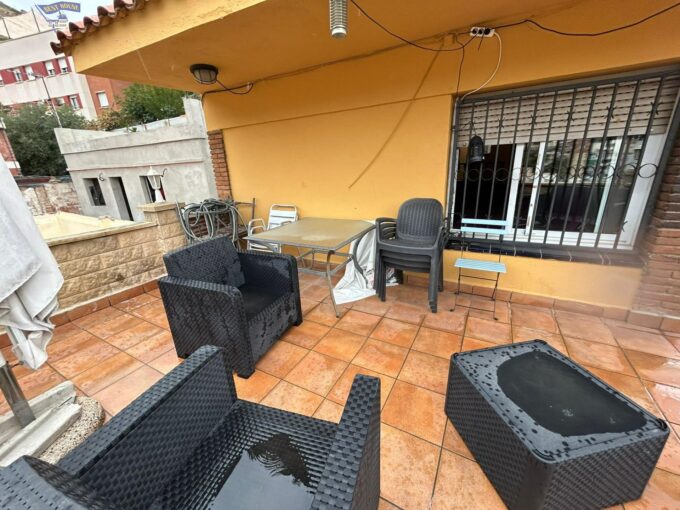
x=567, y=165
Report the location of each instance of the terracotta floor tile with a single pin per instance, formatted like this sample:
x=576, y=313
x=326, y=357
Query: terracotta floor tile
x=135, y=302
x=667, y=398
x=130, y=337
x=305, y=335
x=292, y=398
x=417, y=411
x=381, y=357
x=105, y=373
x=166, y=362
x=340, y=344
x=631, y=387
x=472, y=344
x=361, y=323
x=502, y=313
x=426, y=371
x=68, y=346
x=108, y=328
x=33, y=383
x=656, y=368
x=307, y=305
x=453, y=442
x=281, y=358
x=66, y=331
x=341, y=390
x=317, y=373
x=593, y=330
x=256, y=387
x=670, y=456
x=408, y=467
x=437, y=343
x=90, y=354
x=491, y=331
x=662, y=493
x=315, y=291
x=329, y=411
x=97, y=317
x=372, y=305
x=386, y=505
x=325, y=314
x=117, y=396
x=452, y=322
x=152, y=347
x=155, y=293
x=405, y=312
x=473, y=302
x=153, y=312
x=534, y=318
x=462, y=485
x=598, y=355
x=651, y=343
x=522, y=334
x=395, y=332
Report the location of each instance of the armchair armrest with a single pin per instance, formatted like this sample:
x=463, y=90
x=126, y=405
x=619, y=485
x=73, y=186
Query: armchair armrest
x=275, y=271
x=202, y=310
x=157, y=432
x=351, y=477
x=386, y=228
x=32, y=483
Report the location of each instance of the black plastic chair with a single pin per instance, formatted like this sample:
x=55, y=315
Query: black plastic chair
x=414, y=241
x=242, y=301
x=182, y=441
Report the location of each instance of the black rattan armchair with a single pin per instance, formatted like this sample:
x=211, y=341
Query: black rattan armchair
x=179, y=446
x=414, y=241
x=242, y=301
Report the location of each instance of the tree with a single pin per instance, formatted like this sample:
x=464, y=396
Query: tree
x=145, y=103
x=30, y=129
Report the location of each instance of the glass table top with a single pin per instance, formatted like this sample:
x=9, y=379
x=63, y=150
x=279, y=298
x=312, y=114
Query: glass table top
x=315, y=233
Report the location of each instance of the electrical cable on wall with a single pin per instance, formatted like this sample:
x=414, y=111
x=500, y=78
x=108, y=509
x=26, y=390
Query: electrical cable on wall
x=498, y=65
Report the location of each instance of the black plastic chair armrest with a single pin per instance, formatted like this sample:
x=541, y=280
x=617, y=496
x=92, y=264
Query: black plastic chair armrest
x=32, y=483
x=351, y=477
x=157, y=432
x=386, y=228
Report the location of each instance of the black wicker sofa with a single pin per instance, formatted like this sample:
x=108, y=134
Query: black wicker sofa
x=189, y=442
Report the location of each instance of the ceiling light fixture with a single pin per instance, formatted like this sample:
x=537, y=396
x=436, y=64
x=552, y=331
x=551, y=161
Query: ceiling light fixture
x=338, y=12
x=204, y=74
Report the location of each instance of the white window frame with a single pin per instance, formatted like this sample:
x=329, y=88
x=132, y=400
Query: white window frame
x=30, y=75
x=63, y=65
x=18, y=77
x=73, y=100
x=49, y=67
x=104, y=104
x=60, y=101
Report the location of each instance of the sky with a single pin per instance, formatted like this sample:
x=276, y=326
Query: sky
x=86, y=6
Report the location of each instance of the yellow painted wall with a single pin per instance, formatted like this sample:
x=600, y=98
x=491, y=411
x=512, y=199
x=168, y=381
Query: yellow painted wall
x=304, y=138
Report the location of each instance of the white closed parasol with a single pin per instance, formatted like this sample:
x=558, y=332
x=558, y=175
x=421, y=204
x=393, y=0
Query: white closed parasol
x=29, y=276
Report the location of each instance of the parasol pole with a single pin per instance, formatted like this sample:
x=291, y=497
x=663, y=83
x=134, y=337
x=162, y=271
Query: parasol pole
x=10, y=386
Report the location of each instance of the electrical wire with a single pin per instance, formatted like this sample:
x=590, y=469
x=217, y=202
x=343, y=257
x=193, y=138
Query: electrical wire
x=403, y=39
x=590, y=34
x=235, y=90
x=498, y=65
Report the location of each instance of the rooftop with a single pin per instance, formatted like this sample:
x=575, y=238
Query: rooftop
x=117, y=352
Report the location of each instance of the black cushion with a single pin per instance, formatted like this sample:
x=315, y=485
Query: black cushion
x=256, y=299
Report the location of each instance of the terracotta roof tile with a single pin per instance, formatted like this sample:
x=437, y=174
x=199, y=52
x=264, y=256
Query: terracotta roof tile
x=106, y=14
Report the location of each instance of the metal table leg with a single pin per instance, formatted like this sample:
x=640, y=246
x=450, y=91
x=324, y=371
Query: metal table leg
x=13, y=394
x=330, y=282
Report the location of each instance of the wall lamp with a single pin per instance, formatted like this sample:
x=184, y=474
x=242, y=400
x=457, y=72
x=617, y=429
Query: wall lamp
x=206, y=74
x=156, y=181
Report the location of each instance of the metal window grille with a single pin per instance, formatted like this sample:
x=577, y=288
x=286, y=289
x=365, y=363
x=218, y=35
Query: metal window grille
x=570, y=165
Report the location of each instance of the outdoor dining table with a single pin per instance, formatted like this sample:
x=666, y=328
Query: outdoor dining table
x=318, y=235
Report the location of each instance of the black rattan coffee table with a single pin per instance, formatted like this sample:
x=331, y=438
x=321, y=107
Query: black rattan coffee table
x=547, y=433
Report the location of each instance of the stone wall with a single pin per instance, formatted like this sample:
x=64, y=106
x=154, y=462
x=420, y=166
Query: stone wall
x=99, y=264
x=48, y=195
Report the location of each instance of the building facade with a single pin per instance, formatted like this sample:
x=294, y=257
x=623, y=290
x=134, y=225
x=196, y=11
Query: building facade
x=578, y=132
x=7, y=153
x=31, y=73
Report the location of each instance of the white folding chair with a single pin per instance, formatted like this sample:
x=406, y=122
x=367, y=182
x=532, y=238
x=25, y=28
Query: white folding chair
x=475, y=226
x=279, y=214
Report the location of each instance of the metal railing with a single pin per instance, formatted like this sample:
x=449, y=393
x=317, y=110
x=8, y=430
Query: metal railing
x=572, y=165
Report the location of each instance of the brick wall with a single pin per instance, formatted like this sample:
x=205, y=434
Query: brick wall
x=48, y=195
x=219, y=161
x=112, y=88
x=7, y=153
x=659, y=291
